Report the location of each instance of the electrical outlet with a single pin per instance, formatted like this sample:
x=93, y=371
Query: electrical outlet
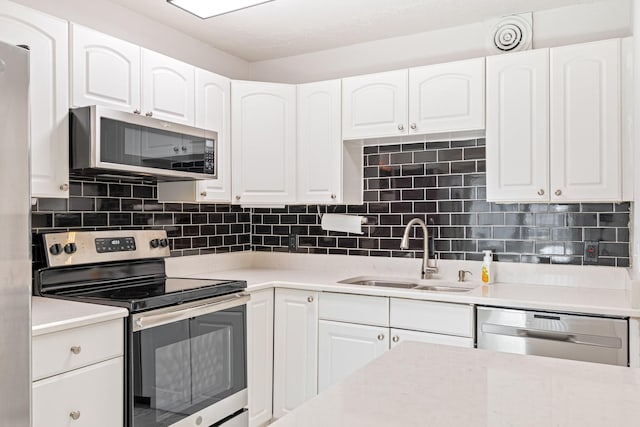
x=590, y=252
x=293, y=242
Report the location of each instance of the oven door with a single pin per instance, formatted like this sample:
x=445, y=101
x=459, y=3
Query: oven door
x=189, y=362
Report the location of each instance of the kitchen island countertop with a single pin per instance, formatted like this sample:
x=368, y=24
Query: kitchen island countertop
x=419, y=384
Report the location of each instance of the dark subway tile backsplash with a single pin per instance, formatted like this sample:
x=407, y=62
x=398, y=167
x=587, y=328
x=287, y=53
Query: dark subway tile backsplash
x=444, y=184
x=441, y=182
x=97, y=205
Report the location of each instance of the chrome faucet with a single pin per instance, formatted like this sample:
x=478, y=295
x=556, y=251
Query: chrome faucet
x=427, y=270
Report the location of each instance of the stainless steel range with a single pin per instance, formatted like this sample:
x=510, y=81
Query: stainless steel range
x=185, y=349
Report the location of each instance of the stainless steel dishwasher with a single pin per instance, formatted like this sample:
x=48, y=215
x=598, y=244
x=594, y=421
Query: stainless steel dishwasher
x=566, y=336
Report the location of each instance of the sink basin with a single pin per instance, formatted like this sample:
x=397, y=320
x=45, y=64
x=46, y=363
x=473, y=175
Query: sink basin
x=418, y=285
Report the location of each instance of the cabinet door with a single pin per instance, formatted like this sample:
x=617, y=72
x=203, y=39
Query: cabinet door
x=260, y=357
x=295, y=353
x=447, y=97
x=213, y=105
x=518, y=126
x=585, y=122
x=319, y=142
x=104, y=71
x=90, y=397
x=402, y=335
x=346, y=347
x=263, y=128
x=47, y=39
x=375, y=105
x=168, y=88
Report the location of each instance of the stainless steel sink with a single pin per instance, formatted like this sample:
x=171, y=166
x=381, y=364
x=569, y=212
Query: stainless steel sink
x=419, y=285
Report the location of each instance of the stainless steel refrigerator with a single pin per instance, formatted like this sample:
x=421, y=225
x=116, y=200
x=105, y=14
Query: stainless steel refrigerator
x=15, y=239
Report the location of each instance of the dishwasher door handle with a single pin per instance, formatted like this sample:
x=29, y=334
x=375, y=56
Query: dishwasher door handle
x=584, y=339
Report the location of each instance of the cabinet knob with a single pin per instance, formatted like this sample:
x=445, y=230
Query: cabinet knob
x=184, y=149
x=558, y=193
x=64, y=187
x=176, y=149
x=395, y=338
x=136, y=111
x=203, y=194
x=310, y=299
x=541, y=192
x=414, y=126
x=380, y=337
x=76, y=349
x=333, y=196
x=237, y=197
x=400, y=126
x=149, y=114
x=74, y=415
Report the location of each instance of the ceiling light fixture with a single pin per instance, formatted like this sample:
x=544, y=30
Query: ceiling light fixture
x=209, y=8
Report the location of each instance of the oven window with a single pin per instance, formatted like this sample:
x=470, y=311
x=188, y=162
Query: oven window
x=185, y=366
x=140, y=146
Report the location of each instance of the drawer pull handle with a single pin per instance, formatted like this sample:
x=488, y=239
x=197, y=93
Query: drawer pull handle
x=74, y=415
x=76, y=349
x=380, y=337
x=395, y=338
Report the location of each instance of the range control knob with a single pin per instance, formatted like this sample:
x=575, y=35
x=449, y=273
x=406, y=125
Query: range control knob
x=70, y=248
x=154, y=243
x=55, y=249
x=164, y=243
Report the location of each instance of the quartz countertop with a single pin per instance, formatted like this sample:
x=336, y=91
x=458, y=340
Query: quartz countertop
x=53, y=315
x=419, y=384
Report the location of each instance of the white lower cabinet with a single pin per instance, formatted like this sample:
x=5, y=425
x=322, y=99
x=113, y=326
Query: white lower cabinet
x=345, y=347
x=295, y=349
x=78, y=376
x=260, y=357
x=90, y=396
x=355, y=329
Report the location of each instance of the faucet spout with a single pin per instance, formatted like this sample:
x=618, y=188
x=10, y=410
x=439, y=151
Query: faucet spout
x=427, y=270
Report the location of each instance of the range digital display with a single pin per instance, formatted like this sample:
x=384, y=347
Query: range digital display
x=115, y=244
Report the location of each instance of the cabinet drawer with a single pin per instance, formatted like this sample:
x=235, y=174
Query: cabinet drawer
x=52, y=353
x=429, y=316
x=93, y=393
x=400, y=335
x=363, y=309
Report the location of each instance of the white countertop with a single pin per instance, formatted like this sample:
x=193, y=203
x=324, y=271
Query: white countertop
x=52, y=315
x=419, y=384
x=613, y=302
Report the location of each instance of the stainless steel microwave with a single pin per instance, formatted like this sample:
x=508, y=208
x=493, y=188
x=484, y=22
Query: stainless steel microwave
x=110, y=142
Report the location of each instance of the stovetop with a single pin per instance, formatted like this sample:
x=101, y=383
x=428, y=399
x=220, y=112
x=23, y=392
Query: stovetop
x=119, y=268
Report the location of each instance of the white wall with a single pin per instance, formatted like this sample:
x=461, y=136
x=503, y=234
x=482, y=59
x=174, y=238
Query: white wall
x=118, y=21
x=573, y=24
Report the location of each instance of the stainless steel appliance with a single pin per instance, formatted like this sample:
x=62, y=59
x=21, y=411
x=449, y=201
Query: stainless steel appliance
x=15, y=227
x=185, y=349
x=107, y=142
x=567, y=336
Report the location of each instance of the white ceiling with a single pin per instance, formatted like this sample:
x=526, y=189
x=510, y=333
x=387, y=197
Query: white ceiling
x=291, y=27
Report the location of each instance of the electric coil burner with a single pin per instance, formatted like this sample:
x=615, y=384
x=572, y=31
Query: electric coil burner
x=185, y=349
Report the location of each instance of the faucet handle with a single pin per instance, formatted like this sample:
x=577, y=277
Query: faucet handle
x=461, y=275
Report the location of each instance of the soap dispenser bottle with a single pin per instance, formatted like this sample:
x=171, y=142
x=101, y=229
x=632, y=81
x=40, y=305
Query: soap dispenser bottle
x=487, y=267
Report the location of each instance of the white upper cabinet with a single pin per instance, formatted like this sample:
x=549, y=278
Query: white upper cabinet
x=585, y=122
x=447, y=97
x=319, y=142
x=168, y=88
x=553, y=124
x=47, y=39
x=375, y=105
x=105, y=70
x=117, y=74
x=518, y=126
x=213, y=112
x=263, y=129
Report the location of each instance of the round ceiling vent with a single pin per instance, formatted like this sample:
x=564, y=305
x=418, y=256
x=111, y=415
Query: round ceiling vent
x=512, y=33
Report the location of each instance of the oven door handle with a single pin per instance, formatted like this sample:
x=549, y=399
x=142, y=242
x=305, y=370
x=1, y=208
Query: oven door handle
x=151, y=319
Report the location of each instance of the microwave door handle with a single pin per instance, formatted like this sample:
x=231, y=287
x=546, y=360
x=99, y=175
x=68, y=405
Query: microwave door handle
x=176, y=313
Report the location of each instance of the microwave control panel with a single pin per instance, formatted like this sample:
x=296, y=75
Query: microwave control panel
x=209, y=157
